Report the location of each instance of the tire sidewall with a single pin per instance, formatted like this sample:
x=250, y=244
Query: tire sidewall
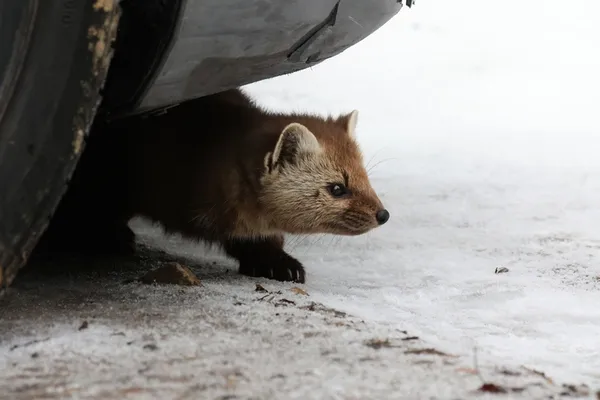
x=43, y=130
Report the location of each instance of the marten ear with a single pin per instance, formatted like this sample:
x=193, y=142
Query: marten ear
x=294, y=141
x=350, y=122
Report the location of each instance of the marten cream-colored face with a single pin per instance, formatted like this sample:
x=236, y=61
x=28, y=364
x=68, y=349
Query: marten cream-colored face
x=315, y=182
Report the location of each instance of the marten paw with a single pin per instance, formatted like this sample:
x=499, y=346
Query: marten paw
x=283, y=270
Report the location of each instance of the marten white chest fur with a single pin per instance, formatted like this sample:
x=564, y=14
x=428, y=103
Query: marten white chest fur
x=225, y=171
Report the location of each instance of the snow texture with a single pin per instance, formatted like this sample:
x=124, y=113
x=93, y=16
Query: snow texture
x=86, y=333
x=479, y=120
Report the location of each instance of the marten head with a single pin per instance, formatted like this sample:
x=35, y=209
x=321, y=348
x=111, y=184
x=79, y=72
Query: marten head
x=315, y=181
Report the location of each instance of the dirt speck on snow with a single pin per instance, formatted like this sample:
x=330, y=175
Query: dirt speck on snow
x=429, y=351
x=298, y=290
x=260, y=288
x=171, y=273
x=379, y=343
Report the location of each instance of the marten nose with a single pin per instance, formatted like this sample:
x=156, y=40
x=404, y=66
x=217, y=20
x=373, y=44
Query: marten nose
x=382, y=216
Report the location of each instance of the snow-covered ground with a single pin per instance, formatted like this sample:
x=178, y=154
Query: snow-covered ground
x=481, y=119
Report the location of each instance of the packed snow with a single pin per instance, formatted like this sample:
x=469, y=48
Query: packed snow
x=479, y=124
x=480, y=121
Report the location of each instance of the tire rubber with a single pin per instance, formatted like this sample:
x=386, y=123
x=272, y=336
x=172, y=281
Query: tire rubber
x=43, y=128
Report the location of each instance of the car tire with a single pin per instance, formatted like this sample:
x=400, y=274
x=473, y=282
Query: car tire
x=54, y=57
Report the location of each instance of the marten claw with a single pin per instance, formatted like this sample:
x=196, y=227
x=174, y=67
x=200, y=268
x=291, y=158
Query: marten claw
x=280, y=270
x=289, y=270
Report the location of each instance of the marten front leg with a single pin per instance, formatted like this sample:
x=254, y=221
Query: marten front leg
x=265, y=258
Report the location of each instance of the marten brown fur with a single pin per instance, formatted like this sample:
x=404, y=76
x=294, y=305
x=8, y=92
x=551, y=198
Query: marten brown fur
x=225, y=171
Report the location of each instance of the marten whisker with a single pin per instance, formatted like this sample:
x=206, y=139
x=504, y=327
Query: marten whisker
x=373, y=157
x=369, y=170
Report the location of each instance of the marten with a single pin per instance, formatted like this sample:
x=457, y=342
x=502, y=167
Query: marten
x=223, y=170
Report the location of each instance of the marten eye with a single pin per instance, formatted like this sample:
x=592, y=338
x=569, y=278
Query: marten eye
x=338, y=190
